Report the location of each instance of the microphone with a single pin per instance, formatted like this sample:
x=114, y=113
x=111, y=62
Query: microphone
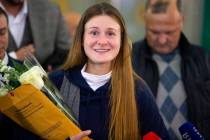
x=189, y=132
x=151, y=136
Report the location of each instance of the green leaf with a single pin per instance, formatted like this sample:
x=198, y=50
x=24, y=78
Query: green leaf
x=19, y=67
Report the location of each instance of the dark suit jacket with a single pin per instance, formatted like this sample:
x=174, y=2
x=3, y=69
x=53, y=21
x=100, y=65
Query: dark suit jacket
x=50, y=34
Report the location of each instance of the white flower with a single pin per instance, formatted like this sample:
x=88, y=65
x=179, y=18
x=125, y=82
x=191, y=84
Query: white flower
x=3, y=91
x=3, y=68
x=33, y=76
x=6, y=78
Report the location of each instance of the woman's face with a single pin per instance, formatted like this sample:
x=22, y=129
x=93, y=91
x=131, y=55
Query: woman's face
x=102, y=39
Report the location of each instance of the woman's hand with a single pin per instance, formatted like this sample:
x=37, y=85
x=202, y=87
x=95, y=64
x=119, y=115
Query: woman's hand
x=81, y=135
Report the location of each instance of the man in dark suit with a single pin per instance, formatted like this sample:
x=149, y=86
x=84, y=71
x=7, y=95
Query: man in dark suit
x=8, y=129
x=37, y=26
x=177, y=71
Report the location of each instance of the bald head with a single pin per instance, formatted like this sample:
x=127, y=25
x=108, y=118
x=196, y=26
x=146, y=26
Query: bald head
x=160, y=6
x=164, y=23
x=163, y=9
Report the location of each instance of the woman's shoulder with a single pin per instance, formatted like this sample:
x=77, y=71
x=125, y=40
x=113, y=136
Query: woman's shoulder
x=143, y=94
x=143, y=90
x=56, y=74
x=72, y=74
x=150, y=118
x=57, y=77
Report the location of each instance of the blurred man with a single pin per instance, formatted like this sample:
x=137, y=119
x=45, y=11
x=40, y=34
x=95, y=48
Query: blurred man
x=9, y=130
x=37, y=26
x=177, y=72
x=4, y=38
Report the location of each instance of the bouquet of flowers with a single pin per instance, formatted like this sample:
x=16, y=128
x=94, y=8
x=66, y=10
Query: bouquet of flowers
x=29, y=98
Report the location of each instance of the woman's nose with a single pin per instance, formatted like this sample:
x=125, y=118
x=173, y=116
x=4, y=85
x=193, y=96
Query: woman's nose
x=102, y=40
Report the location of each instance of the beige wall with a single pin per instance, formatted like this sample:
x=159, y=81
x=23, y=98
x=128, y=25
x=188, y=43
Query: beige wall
x=132, y=11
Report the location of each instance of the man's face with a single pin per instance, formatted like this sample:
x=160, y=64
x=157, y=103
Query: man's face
x=163, y=31
x=3, y=36
x=15, y=2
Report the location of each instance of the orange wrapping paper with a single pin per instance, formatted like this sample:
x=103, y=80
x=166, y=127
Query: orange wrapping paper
x=31, y=109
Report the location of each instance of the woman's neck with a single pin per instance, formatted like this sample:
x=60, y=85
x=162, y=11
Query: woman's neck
x=98, y=69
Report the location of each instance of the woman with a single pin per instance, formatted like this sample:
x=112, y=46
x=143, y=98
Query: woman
x=112, y=102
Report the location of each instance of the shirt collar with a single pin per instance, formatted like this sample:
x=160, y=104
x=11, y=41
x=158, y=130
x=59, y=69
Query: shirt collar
x=5, y=59
x=2, y=6
x=25, y=7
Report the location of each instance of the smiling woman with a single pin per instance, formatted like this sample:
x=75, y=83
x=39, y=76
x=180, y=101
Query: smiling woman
x=97, y=81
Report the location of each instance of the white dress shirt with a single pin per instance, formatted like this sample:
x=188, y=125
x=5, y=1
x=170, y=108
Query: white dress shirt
x=5, y=60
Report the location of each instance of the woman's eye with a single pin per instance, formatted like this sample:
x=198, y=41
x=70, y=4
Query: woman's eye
x=110, y=33
x=93, y=33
